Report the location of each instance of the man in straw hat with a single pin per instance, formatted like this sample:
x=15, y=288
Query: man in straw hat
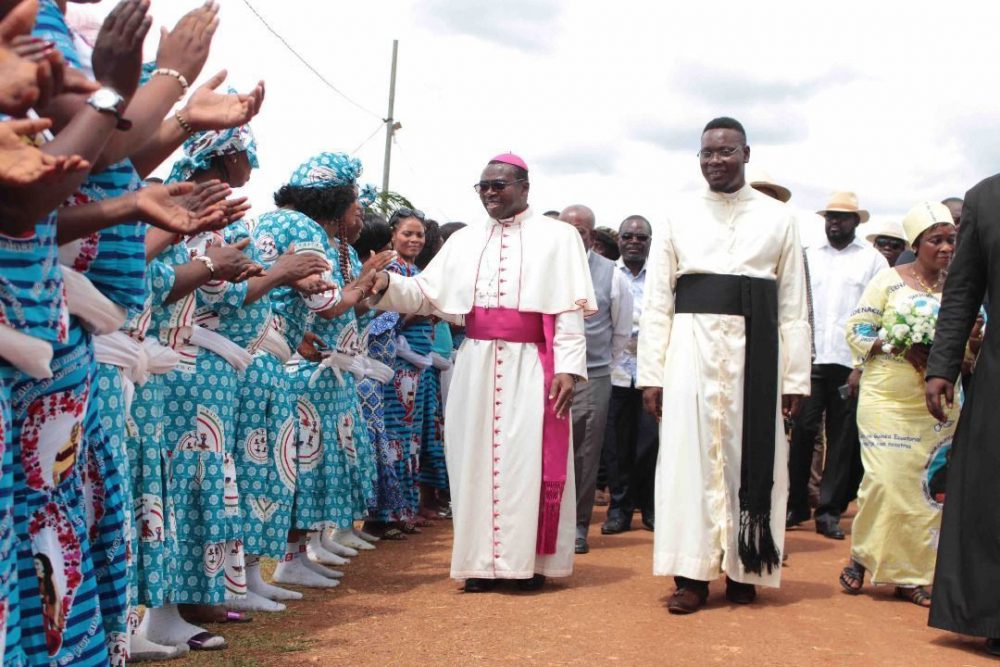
x=888, y=237
x=509, y=457
x=839, y=270
x=724, y=350
x=967, y=578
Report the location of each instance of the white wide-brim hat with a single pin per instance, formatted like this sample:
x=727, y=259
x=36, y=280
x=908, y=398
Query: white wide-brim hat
x=845, y=202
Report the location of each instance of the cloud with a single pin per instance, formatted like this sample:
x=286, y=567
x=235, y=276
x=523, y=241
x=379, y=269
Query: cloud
x=528, y=25
x=593, y=159
x=765, y=125
x=722, y=87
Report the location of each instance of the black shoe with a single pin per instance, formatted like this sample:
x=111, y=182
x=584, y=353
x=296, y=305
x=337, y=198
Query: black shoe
x=740, y=593
x=581, y=546
x=479, y=585
x=533, y=584
x=648, y=521
x=830, y=529
x=615, y=525
x=993, y=646
x=795, y=517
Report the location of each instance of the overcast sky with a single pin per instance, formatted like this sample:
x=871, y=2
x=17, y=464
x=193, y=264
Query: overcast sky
x=605, y=101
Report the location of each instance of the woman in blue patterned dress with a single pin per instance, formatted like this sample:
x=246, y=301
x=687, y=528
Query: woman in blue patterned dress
x=379, y=338
x=404, y=396
x=330, y=427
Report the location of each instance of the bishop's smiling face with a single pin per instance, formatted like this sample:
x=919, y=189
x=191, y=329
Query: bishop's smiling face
x=504, y=202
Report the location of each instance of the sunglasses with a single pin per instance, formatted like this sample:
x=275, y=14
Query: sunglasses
x=889, y=243
x=495, y=185
x=629, y=236
x=406, y=212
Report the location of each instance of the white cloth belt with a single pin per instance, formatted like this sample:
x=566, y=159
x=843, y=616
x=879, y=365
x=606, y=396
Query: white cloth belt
x=377, y=371
x=404, y=352
x=161, y=359
x=237, y=357
x=30, y=355
x=337, y=362
x=274, y=343
x=99, y=314
x=121, y=350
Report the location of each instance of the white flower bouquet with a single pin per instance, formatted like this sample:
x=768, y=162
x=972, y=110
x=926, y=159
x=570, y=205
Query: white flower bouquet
x=911, y=322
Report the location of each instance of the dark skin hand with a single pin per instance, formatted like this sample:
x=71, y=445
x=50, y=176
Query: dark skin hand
x=917, y=356
x=310, y=346
x=936, y=388
x=854, y=383
x=23, y=164
x=561, y=392
x=117, y=59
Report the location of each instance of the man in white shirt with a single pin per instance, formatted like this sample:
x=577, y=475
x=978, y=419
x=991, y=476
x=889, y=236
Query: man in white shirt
x=608, y=331
x=839, y=271
x=631, y=432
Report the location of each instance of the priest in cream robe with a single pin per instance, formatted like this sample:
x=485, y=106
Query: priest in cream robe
x=724, y=351
x=521, y=286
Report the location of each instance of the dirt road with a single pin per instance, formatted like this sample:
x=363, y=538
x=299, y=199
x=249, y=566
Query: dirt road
x=398, y=607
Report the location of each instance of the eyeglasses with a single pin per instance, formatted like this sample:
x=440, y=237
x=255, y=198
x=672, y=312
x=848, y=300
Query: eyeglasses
x=889, y=243
x=727, y=152
x=495, y=185
x=629, y=236
x=406, y=212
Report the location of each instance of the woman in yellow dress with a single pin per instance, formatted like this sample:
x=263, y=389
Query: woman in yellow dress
x=903, y=448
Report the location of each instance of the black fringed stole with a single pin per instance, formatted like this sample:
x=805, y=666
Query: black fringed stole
x=756, y=300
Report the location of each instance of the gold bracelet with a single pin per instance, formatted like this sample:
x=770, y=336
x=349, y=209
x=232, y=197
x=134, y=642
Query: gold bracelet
x=186, y=126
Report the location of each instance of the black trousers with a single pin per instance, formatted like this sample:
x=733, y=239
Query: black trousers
x=634, y=436
x=842, y=472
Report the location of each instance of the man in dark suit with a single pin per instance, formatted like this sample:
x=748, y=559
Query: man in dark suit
x=967, y=578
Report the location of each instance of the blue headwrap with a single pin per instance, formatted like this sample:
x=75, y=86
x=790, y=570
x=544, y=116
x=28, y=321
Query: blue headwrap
x=200, y=148
x=367, y=195
x=327, y=170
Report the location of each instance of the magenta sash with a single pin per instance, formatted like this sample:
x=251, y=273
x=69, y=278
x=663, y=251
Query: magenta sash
x=514, y=326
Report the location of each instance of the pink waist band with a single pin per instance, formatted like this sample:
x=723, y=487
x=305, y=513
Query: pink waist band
x=504, y=324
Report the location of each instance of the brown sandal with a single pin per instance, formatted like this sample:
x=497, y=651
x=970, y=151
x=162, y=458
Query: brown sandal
x=852, y=578
x=918, y=595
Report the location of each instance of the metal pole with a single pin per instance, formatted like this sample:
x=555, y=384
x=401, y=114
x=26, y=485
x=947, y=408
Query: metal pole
x=389, y=121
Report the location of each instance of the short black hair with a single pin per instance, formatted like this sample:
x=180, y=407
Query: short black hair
x=375, y=235
x=320, y=204
x=633, y=218
x=518, y=171
x=726, y=123
x=432, y=243
x=449, y=228
x=552, y=214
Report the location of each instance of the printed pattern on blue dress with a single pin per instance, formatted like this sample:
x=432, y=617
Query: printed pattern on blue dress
x=199, y=434
x=404, y=403
x=51, y=25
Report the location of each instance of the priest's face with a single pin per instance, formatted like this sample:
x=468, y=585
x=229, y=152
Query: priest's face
x=723, y=158
x=503, y=192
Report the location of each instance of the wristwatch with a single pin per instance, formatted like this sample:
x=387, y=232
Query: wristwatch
x=107, y=100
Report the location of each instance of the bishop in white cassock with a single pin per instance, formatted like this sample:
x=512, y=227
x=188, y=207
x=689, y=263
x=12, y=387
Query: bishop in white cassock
x=521, y=285
x=725, y=310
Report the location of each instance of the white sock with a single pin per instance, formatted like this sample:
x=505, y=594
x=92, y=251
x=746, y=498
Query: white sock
x=347, y=538
x=164, y=625
x=253, y=602
x=367, y=537
x=256, y=584
x=141, y=648
x=321, y=569
x=331, y=545
x=317, y=554
x=293, y=569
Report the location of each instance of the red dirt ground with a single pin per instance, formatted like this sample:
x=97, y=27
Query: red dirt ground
x=396, y=606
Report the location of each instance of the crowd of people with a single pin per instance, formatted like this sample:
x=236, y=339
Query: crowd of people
x=186, y=391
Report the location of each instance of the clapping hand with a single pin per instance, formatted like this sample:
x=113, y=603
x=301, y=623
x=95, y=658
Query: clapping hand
x=230, y=263
x=211, y=110
x=185, y=48
x=303, y=269
x=117, y=58
x=23, y=164
x=184, y=208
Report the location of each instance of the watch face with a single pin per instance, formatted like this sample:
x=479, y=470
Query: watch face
x=106, y=98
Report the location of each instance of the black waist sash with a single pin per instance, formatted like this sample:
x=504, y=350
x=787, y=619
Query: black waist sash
x=756, y=300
